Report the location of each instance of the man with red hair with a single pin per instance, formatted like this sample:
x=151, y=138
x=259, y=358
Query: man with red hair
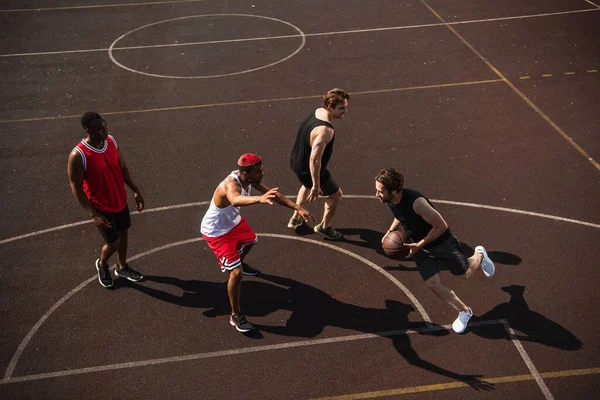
x=229, y=235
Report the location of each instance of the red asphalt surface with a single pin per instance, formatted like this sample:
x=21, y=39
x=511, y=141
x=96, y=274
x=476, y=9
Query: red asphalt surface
x=489, y=108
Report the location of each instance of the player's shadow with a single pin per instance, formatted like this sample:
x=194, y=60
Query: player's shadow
x=368, y=238
x=529, y=325
x=212, y=296
x=313, y=309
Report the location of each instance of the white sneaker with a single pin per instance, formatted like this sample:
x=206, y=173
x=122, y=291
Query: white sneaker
x=487, y=266
x=460, y=324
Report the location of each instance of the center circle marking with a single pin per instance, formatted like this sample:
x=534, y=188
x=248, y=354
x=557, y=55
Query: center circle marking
x=112, y=46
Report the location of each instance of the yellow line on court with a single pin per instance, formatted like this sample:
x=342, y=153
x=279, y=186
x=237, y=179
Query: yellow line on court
x=150, y=3
x=592, y=70
x=546, y=75
x=455, y=385
x=517, y=91
x=234, y=103
x=569, y=73
x=524, y=77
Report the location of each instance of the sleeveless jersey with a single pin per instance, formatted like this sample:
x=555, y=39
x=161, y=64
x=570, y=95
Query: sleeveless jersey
x=414, y=225
x=103, y=182
x=300, y=157
x=218, y=221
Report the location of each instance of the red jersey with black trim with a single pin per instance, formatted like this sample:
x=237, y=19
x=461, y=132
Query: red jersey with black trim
x=103, y=179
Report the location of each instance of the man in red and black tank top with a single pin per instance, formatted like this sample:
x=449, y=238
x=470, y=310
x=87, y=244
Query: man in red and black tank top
x=97, y=175
x=310, y=156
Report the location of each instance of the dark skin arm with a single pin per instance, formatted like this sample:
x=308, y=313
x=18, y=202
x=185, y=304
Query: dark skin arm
x=76, y=174
x=284, y=201
x=229, y=193
x=137, y=196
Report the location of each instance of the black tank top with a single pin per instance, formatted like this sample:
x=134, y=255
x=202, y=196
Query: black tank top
x=414, y=225
x=300, y=157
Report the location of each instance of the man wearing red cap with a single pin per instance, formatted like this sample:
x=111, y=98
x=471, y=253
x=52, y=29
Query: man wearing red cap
x=310, y=156
x=229, y=235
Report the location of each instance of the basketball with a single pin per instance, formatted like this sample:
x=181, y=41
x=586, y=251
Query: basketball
x=393, y=245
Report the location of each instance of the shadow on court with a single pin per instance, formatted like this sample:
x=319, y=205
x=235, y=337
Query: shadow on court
x=529, y=325
x=311, y=311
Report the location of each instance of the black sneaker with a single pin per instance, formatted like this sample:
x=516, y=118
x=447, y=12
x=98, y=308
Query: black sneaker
x=240, y=323
x=128, y=273
x=103, y=275
x=248, y=270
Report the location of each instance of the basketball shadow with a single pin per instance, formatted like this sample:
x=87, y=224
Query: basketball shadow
x=529, y=325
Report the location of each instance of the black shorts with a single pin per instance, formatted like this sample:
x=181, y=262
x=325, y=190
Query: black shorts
x=449, y=252
x=119, y=222
x=327, y=184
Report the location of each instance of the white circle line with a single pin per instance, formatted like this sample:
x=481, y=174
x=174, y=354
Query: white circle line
x=15, y=359
x=349, y=196
x=300, y=32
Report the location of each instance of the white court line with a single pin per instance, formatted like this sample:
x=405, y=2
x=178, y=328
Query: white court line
x=532, y=368
x=15, y=358
x=296, y=51
x=246, y=350
x=594, y=4
x=149, y=3
x=349, y=196
x=306, y=35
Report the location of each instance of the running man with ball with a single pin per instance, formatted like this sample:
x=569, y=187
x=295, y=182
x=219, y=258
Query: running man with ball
x=433, y=242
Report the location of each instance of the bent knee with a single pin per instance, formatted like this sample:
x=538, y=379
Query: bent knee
x=434, y=282
x=337, y=196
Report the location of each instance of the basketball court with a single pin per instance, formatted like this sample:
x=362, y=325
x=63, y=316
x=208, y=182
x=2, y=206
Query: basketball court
x=491, y=110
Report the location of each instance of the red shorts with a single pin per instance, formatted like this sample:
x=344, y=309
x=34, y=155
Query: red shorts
x=229, y=246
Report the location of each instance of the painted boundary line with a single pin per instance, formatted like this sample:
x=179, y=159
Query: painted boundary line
x=352, y=31
x=246, y=102
x=198, y=356
x=350, y=196
x=25, y=342
x=456, y=385
x=534, y=372
x=594, y=4
x=150, y=3
x=514, y=88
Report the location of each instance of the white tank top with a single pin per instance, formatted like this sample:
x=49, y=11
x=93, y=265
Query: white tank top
x=218, y=221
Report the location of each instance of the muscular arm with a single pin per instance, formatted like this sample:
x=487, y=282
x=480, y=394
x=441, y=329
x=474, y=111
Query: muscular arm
x=126, y=173
x=433, y=218
x=394, y=226
x=284, y=201
x=279, y=198
x=229, y=192
x=139, y=200
x=323, y=136
x=76, y=174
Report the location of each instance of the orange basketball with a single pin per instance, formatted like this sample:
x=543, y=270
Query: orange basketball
x=393, y=245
